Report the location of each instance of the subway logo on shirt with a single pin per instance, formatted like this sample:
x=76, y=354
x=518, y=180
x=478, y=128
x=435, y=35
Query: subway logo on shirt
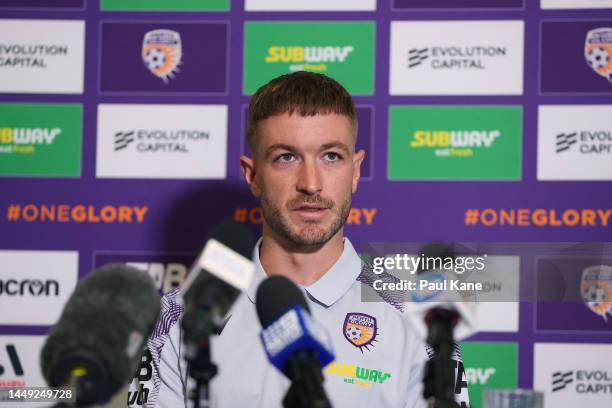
x=342, y=50
x=360, y=376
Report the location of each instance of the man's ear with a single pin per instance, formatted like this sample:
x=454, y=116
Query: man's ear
x=357, y=160
x=247, y=165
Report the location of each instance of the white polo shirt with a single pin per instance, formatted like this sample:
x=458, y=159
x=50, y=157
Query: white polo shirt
x=379, y=360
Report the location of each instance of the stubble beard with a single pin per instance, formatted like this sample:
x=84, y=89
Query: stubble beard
x=311, y=235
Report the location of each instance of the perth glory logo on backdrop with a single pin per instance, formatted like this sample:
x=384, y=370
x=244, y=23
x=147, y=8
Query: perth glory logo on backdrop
x=598, y=51
x=162, y=53
x=596, y=289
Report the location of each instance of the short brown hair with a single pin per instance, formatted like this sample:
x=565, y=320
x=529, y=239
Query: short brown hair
x=302, y=92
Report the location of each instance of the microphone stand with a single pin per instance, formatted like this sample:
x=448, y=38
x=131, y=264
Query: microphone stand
x=439, y=379
x=202, y=369
x=198, y=323
x=306, y=390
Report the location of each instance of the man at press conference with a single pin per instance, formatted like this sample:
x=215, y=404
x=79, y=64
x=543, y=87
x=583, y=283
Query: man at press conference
x=302, y=130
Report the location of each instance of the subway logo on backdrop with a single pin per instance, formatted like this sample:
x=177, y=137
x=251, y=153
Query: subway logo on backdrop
x=342, y=50
x=455, y=143
x=40, y=140
x=489, y=366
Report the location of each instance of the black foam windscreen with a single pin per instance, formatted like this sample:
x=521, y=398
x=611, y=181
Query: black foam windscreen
x=275, y=296
x=102, y=330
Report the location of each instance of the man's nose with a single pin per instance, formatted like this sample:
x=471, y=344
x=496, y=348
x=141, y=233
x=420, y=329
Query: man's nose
x=309, y=180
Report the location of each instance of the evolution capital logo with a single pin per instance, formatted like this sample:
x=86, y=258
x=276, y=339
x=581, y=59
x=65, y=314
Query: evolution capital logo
x=161, y=141
x=575, y=142
x=451, y=58
x=42, y=56
x=589, y=142
x=456, y=57
x=581, y=381
x=573, y=375
x=342, y=50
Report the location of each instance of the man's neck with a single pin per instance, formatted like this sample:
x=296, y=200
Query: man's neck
x=303, y=265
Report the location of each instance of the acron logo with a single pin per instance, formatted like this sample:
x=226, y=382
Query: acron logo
x=33, y=287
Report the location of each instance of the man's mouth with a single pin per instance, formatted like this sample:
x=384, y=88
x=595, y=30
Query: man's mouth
x=311, y=208
x=311, y=211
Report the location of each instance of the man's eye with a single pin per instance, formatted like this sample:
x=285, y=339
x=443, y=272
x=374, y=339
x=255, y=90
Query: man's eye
x=285, y=158
x=331, y=156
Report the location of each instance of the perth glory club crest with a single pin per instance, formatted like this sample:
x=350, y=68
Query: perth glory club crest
x=598, y=51
x=162, y=52
x=596, y=289
x=360, y=330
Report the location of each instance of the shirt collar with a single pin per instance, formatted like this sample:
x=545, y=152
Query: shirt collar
x=330, y=287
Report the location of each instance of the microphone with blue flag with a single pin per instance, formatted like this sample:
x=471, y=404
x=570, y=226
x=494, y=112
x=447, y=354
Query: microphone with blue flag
x=294, y=342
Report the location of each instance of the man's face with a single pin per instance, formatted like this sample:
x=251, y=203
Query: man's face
x=305, y=170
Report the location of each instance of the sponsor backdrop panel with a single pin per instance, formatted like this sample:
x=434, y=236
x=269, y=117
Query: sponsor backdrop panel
x=122, y=122
x=586, y=57
x=344, y=50
x=20, y=365
x=162, y=141
x=164, y=57
x=454, y=143
x=456, y=58
x=573, y=374
x=575, y=142
x=578, y=287
x=42, y=56
x=40, y=140
x=35, y=285
x=489, y=366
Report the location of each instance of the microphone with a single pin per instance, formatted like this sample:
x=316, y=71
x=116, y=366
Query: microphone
x=423, y=306
x=443, y=315
x=222, y=271
x=293, y=341
x=97, y=343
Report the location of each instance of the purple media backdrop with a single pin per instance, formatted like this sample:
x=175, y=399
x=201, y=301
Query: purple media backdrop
x=180, y=212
